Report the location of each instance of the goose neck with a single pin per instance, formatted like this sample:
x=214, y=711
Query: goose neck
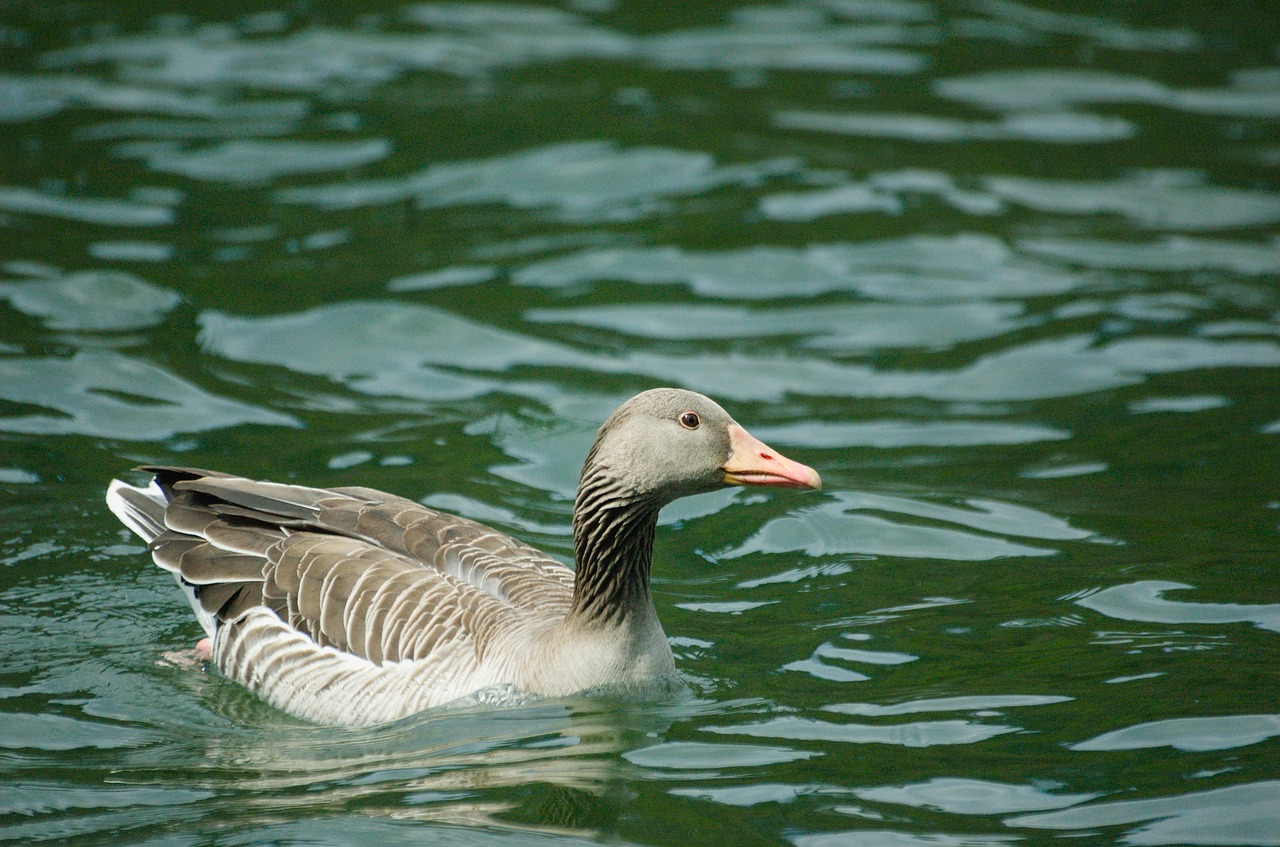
x=613, y=532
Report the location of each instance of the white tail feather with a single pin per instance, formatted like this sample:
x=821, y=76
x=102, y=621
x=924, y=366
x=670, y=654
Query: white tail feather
x=133, y=506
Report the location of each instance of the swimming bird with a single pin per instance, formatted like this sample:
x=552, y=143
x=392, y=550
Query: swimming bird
x=352, y=606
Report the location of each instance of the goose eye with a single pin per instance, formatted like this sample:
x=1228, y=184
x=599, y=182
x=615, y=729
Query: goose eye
x=690, y=420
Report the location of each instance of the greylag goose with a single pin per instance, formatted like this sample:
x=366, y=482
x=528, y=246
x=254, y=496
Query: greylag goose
x=351, y=606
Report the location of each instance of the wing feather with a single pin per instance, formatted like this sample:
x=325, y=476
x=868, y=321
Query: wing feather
x=381, y=579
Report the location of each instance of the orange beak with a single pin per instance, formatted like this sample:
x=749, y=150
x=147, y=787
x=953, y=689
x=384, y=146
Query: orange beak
x=754, y=463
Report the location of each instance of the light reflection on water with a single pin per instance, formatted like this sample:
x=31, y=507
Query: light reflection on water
x=1005, y=275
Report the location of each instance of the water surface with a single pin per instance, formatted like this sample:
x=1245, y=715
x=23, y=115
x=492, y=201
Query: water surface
x=1006, y=273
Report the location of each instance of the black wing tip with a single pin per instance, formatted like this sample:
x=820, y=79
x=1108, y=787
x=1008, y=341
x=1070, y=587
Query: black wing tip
x=178, y=473
x=171, y=478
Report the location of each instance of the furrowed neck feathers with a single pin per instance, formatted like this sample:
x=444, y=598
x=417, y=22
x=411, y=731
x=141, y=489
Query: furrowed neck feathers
x=613, y=531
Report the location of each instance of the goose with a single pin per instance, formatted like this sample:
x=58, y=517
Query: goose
x=350, y=606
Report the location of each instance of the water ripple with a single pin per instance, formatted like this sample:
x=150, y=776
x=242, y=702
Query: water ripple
x=1144, y=601
x=382, y=348
x=972, y=796
x=87, y=300
x=1050, y=127
x=31, y=799
x=835, y=527
x=817, y=667
x=33, y=98
x=830, y=530
x=1247, y=814
x=838, y=328
x=474, y=39
x=109, y=395
x=259, y=161
x=1062, y=89
x=58, y=732
x=916, y=268
x=1173, y=253
x=1151, y=203
x=893, y=434
x=91, y=210
x=918, y=734
x=794, y=40
x=589, y=180
x=1102, y=31
x=967, y=703
x=692, y=755
x=1188, y=734
x=894, y=838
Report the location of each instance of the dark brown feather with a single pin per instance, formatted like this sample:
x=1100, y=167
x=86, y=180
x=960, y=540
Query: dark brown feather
x=205, y=564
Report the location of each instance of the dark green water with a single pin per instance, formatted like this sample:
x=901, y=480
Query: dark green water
x=1005, y=273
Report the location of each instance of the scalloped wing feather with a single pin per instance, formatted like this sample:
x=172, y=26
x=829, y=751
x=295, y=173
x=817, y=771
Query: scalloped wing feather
x=353, y=580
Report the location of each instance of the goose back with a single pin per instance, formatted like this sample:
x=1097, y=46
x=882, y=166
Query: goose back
x=337, y=585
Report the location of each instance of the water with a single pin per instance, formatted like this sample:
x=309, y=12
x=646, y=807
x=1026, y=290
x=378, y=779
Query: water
x=1005, y=273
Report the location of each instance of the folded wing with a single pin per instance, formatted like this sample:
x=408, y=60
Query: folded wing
x=375, y=576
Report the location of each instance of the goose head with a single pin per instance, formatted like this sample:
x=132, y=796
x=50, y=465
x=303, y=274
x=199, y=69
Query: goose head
x=667, y=443
x=658, y=446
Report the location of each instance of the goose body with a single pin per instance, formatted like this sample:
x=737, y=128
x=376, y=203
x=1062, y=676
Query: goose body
x=352, y=606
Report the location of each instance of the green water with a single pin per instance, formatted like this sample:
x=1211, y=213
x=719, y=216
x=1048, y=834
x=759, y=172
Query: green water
x=1004, y=272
